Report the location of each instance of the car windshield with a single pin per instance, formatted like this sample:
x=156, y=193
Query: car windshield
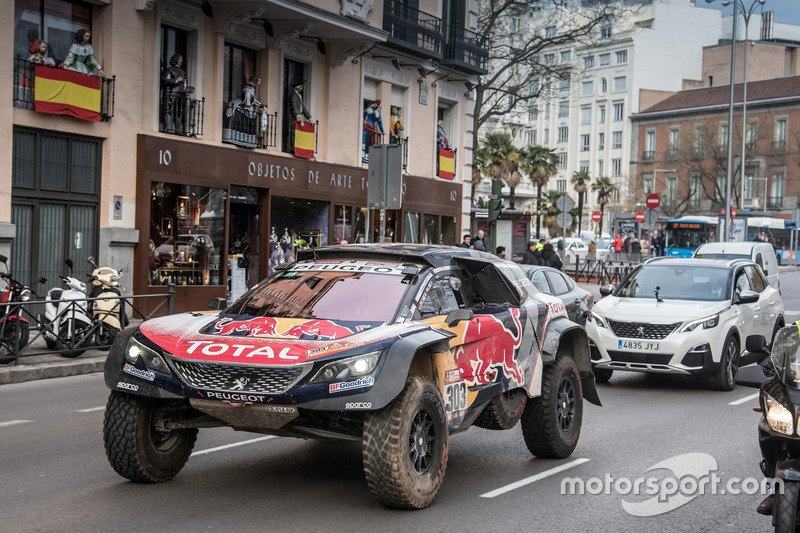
x=677, y=282
x=603, y=245
x=338, y=292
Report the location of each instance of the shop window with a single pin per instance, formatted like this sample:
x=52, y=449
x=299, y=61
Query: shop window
x=411, y=227
x=55, y=21
x=430, y=229
x=187, y=225
x=449, y=230
x=391, y=225
x=296, y=224
x=342, y=224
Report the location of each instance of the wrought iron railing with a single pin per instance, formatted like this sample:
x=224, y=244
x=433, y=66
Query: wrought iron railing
x=775, y=202
x=249, y=128
x=413, y=29
x=648, y=155
x=181, y=114
x=466, y=49
x=778, y=146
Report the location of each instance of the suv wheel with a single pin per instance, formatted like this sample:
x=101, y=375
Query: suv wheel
x=725, y=379
x=551, y=423
x=404, y=447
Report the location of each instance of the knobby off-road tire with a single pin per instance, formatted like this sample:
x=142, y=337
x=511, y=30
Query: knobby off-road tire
x=602, y=375
x=784, y=512
x=136, y=447
x=551, y=423
x=404, y=447
x=504, y=411
x=725, y=378
x=15, y=337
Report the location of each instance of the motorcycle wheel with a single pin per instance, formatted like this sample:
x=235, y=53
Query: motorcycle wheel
x=75, y=344
x=784, y=513
x=15, y=333
x=105, y=336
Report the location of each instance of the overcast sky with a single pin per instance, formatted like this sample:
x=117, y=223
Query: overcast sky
x=786, y=11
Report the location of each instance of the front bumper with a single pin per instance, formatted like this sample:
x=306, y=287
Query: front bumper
x=693, y=353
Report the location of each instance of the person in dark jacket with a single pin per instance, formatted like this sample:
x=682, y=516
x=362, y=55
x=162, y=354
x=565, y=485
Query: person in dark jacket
x=466, y=242
x=550, y=257
x=532, y=255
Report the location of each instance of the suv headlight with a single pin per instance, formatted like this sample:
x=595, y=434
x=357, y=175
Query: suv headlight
x=707, y=323
x=352, y=367
x=597, y=319
x=154, y=361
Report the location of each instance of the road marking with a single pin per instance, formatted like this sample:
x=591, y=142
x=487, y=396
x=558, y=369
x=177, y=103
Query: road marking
x=745, y=399
x=14, y=423
x=91, y=409
x=225, y=447
x=791, y=312
x=534, y=478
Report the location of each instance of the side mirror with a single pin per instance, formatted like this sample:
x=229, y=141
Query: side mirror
x=42, y=280
x=457, y=315
x=756, y=344
x=751, y=376
x=746, y=297
x=217, y=303
x=606, y=289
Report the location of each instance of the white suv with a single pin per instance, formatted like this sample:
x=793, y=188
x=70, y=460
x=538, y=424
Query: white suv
x=683, y=316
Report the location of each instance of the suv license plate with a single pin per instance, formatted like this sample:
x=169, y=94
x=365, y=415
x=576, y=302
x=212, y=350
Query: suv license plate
x=639, y=345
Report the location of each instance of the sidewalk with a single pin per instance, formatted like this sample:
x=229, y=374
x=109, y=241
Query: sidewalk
x=52, y=365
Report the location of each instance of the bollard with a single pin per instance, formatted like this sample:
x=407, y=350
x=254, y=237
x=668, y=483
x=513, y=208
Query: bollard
x=171, y=299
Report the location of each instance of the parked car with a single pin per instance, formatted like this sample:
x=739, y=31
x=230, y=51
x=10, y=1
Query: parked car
x=395, y=346
x=574, y=248
x=604, y=251
x=577, y=300
x=683, y=316
x=762, y=253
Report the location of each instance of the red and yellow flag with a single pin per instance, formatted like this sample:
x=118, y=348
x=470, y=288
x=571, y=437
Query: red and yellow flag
x=304, y=140
x=66, y=92
x=447, y=164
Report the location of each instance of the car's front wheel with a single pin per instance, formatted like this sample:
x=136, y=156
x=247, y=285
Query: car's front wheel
x=551, y=423
x=404, y=447
x=725, y=378
x=138, y=444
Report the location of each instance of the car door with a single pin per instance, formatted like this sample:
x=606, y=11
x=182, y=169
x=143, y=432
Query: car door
x=766, y=309
x=747, y=322
x=560, y=288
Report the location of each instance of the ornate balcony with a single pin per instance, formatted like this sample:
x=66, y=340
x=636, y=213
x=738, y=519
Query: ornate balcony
x=181, y=114
x=648, y=155
x=413, y=30
x=775, y=202
x=465, y=50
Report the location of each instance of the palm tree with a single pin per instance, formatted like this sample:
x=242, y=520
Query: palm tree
x=539, y=163
x=604, y=187
x=551, y=212
x=580, y=182
x=498, y=155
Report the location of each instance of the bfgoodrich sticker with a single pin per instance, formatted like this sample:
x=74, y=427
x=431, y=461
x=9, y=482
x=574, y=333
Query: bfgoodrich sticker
x=349, y=385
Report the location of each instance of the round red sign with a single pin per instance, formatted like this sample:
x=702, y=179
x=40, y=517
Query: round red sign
x=596, y=216
x=640, y=216
x=653, y=200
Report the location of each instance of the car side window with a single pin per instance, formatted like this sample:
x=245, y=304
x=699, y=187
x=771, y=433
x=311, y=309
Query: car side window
x=438, y=299
x=742, y=283
x=757, y=279
x=540, y=282
x=759, y=260
x=557, y=282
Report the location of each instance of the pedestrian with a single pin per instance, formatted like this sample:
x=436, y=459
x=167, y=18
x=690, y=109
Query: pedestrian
x=560, y=246
x=636, y=250
x=501, y=252
x=531, y=256
x=466, y=242
x=646, y=247
x=593, y=249
x=660, y=245
x=628, y=244
x=540, y=244
x=617, y=246
x=550, y=257
x=478, y=242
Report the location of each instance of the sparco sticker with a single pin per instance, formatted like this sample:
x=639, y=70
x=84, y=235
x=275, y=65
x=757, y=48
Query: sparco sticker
x=127, y=386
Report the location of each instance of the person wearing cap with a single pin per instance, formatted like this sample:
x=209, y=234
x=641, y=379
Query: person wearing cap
x=373, y=122
x=297, y=108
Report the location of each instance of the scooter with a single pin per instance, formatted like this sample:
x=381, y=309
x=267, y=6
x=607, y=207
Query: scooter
x=777, y=377
x=109, y=313
x=14, y=328
x=67, y=323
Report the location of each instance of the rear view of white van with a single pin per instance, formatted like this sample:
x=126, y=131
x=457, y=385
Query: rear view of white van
x=761, y=253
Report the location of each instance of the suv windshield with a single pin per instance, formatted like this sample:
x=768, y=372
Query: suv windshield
x=331, y=291
x=705, y=284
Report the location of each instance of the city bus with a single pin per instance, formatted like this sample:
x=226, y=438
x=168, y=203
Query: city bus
x=777, y=231
x=684, y=235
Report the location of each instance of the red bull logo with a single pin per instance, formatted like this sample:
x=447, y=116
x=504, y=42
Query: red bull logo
x=270, y=327
x=245, y=328
x=489, y=348
x=322, y=329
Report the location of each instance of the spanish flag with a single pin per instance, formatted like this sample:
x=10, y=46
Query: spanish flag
x=304, y=140
x=447, y=164
x=66, y=92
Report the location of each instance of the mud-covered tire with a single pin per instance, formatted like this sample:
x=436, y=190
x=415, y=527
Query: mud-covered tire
x=784, y=511
x=136, y=447
x=725, y=378
x=602, y=375
x=72, y=341
x=15, y=335
x=551, y=423
x=404, y=447
x=503, y=411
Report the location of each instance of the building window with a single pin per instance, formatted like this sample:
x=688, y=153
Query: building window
x=561, y=185
x=549, y=59
x=776, y=192
x=601, y=114
x=722, y=183
x=564, y=86
x=584, y=143
x=673, y=143
x=752, y=134
x=649, y=146
x=563, y=109
x=723, y=136
x=672, y=188
x=647, y=184
x=550, y=32
x=546, y=137
x=533, y=114
x=601, y=141
x=587, y=88
x=620, y=83
x=588, y=62
x=605, y=59
x=616, y=167
x=616, y=139
x=562, y=161
x=619, y=112
x=54, y=21
x=566, y=56
x=584, y=166
x=514, y=26
x=696, y=191
x=563, y=134
x=699, y=139
x=532, y=137
x=586, y=115
x=780, y=134
x=605, y=32
x=600, y=168
x=622, y=56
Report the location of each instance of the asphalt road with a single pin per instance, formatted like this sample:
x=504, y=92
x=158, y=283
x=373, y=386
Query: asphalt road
x=56, y=477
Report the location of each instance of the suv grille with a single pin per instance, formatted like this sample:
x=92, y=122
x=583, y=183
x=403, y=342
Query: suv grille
x=237, y=378
x=641, y=330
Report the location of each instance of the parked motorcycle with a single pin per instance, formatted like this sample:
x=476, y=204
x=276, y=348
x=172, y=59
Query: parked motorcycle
x=14, y=328
x=777, y=377
x=108, y=313
x=67, y=321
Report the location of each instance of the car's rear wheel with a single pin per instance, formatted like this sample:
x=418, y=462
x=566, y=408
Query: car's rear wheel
x=725, y=379
x=404, y=447
x=503, y=411
x=138, y=444
x=602, y=375
x=551, y=423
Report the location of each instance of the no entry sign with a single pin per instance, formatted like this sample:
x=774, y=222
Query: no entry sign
x=653, y=200
x=640, y=216
x=596, y=216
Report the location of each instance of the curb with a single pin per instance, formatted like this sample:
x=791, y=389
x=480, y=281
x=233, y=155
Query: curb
x=47, y=370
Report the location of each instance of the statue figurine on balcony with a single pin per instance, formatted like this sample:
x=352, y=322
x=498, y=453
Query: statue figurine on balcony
x=442, y=142
x=395, y=126
x=39, y=55
x=241, y=125
x=173, y=94
x=373, y=123
x=81, y=55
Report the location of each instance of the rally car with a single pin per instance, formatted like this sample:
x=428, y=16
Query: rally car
x=395, y=346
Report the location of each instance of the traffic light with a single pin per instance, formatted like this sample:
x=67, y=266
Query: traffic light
x=496, y=200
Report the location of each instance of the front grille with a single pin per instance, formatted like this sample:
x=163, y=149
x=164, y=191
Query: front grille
x=641, y=330
x=644, y=358
x=264, y=380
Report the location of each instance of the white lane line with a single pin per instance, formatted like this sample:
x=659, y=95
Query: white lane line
x=534, y=478
x=14, y=423
x=745, y=399
x=225, y=447
x=791, y=312
x=91, y=409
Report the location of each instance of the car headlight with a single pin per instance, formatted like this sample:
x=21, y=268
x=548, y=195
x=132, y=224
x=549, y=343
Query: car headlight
x=778, y=417
x=136, y=349
x=597, y=319
x=707, y=323
x=352, y=367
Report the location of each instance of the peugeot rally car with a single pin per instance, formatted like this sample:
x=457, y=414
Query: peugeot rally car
x=395, y=346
